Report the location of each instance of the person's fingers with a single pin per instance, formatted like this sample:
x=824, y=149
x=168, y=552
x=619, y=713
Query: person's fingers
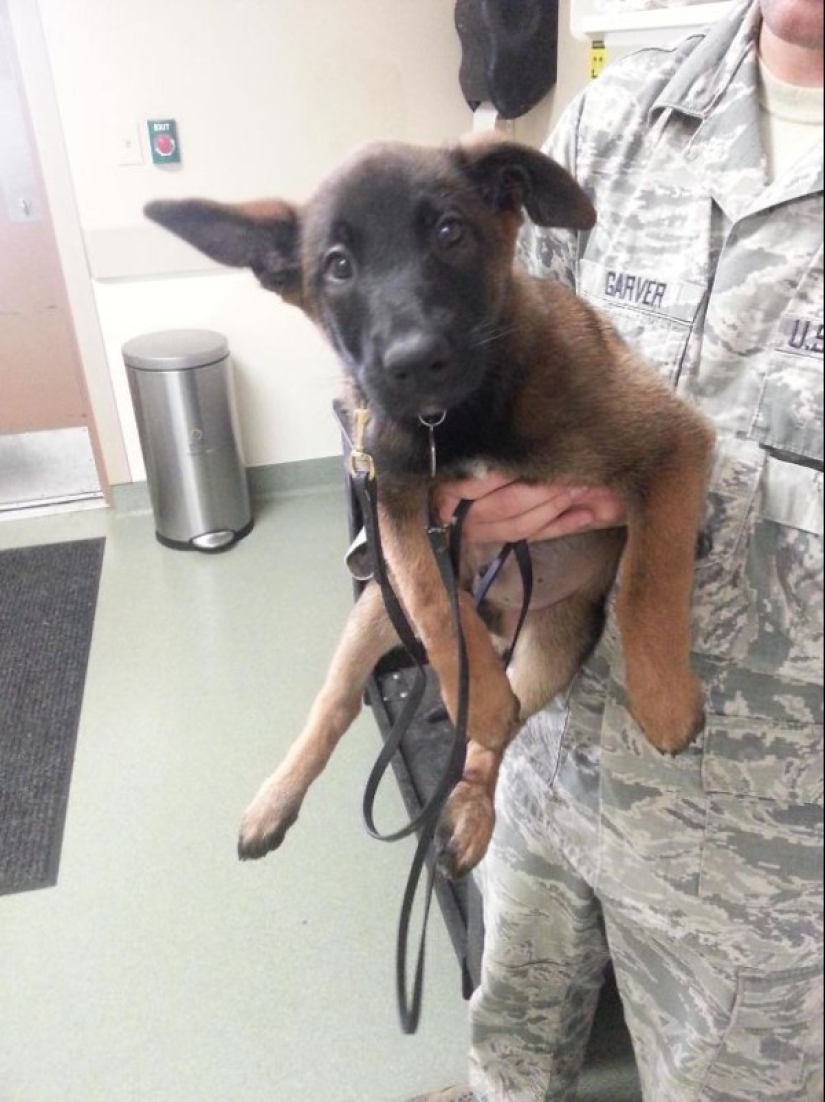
x=553, y=517
x=497, y=500
x=504, y=510
x=448, y=495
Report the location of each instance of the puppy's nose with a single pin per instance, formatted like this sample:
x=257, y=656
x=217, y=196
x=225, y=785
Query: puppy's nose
x=416, y=357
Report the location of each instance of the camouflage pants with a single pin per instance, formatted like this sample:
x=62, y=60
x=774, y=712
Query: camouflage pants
x=603, y=850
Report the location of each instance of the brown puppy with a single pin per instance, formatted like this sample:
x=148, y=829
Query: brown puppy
x=404, y=259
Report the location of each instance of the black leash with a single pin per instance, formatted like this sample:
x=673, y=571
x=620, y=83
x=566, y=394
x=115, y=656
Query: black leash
x=446, y=550
x=426, y=822
x=367, y=497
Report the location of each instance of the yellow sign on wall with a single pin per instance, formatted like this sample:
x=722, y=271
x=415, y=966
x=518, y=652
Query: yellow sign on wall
x=598, y=57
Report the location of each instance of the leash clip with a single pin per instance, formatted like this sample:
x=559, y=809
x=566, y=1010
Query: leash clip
x=360, y=461
x=431, y=423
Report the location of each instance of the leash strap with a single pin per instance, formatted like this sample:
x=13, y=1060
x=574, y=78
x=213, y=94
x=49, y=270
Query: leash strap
x=367, y=496
x=447, y=552
x=409, y=1006
x=426, y=822
x=520, y=549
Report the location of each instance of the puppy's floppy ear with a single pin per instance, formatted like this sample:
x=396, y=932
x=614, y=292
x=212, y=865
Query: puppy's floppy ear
x=510, y=176
x=263, y=236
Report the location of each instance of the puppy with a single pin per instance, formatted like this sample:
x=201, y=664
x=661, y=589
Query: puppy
x=404, y=258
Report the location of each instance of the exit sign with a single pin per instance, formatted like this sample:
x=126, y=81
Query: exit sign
x=163, y=141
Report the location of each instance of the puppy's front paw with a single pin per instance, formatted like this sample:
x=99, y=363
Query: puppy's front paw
x=267, y=819
x=465, y=829
x=674, y=718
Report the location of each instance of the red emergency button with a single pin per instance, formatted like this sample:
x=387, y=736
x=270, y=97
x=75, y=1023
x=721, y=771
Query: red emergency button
x=165, y=145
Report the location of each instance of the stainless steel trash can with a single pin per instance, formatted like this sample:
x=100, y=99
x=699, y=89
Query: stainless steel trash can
x=181, y=386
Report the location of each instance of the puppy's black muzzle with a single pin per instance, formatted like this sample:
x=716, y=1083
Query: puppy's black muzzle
x=417, y=361
x=419, y=371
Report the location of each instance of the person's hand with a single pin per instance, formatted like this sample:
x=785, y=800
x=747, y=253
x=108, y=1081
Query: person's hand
x=505, y=511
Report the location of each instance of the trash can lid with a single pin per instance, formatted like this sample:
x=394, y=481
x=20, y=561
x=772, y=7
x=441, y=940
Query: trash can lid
x=175, y=350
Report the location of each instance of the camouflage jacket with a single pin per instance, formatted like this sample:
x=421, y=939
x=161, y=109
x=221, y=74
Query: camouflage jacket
x=716, y=276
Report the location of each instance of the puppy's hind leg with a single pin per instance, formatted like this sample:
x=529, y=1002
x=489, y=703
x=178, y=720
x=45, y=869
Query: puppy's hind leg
x=554, y=644
x=367, y=636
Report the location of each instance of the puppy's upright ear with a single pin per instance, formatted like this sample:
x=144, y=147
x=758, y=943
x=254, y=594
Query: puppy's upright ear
x=510, y=177
x=263, y=236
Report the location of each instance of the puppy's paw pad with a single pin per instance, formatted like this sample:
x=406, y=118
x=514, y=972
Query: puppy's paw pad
x=265, y=823
x=676, y=719
x=465, y=830
x=673, y=745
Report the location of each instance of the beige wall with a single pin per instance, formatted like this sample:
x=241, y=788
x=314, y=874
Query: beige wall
x=267, y=94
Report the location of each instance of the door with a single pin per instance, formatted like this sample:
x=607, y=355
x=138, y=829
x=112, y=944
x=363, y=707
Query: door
x=46, y=446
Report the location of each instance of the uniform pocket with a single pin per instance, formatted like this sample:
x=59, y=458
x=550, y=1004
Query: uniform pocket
x=773, y=1045
x=788, y=420
x=763, y=847
x=783, y=573
x=759, y=592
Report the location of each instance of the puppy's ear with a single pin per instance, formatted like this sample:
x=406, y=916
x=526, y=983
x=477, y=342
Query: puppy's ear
x=263, y=236
x=511, y=177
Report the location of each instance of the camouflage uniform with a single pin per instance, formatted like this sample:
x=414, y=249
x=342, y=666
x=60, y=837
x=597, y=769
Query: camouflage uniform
x=701, y=876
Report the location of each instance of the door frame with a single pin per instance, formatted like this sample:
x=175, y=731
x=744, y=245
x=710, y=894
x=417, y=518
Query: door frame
x=22, y=18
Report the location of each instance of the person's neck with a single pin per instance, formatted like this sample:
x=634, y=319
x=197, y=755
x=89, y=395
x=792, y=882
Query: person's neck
x=793, y=64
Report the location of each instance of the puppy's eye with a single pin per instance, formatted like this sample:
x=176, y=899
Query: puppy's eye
x=338, y=266
x=449, y=231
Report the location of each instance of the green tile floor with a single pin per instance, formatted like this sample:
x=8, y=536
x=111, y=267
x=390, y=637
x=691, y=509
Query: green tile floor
x=161, y=969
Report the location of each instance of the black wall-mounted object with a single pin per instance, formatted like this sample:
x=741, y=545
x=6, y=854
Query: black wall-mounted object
x=509, y=52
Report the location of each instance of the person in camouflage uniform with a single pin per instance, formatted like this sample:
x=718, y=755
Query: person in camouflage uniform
x=699, y=877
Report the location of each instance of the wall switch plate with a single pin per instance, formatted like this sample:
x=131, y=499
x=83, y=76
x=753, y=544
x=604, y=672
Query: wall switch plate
x=126, y=145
